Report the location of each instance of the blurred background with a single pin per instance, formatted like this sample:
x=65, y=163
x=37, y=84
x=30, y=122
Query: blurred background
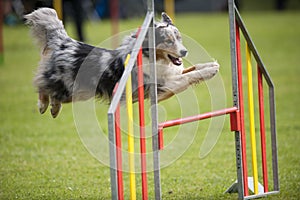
x=79, y=11
x=100, y=9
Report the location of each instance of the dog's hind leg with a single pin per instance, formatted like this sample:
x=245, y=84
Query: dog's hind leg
x=55, y=107
x=43, y=102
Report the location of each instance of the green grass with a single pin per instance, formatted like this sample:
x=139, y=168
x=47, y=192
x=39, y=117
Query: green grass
x=43, y=158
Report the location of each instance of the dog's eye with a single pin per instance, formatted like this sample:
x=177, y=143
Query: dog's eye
x=169, y=41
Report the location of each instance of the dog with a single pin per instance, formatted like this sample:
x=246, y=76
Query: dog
x=63, y=59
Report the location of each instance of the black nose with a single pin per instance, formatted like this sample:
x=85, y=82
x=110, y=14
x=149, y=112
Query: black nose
x=183, y=53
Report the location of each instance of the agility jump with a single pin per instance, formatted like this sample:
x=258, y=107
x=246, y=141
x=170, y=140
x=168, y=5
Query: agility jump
x=237, y=118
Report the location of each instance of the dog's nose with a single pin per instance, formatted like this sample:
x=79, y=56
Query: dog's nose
x=183, y=53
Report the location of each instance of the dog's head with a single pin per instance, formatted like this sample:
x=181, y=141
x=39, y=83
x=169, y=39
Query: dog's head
x=168, y=41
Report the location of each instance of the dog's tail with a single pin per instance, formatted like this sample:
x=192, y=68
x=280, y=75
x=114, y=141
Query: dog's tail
x=46, y=28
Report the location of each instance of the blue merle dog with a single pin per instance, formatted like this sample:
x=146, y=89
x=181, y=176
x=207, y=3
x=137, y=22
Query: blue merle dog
x=70, y=70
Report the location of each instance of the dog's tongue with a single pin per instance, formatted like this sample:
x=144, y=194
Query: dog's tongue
x=175, y=61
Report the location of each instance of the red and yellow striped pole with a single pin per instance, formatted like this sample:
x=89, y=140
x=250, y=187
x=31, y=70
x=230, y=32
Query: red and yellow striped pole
x=252, y=119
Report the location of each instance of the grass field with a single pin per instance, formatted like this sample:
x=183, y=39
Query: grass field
x=43, y=158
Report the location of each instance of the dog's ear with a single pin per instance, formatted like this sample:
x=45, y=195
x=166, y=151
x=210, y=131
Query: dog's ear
x=166, y=19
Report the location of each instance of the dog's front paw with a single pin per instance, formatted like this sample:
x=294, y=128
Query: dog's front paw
x=201, y=66
x=208, y=70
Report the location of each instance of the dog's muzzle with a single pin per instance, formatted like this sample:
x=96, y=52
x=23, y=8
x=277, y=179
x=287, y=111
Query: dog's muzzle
x=178, y=60
x=174, y=60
